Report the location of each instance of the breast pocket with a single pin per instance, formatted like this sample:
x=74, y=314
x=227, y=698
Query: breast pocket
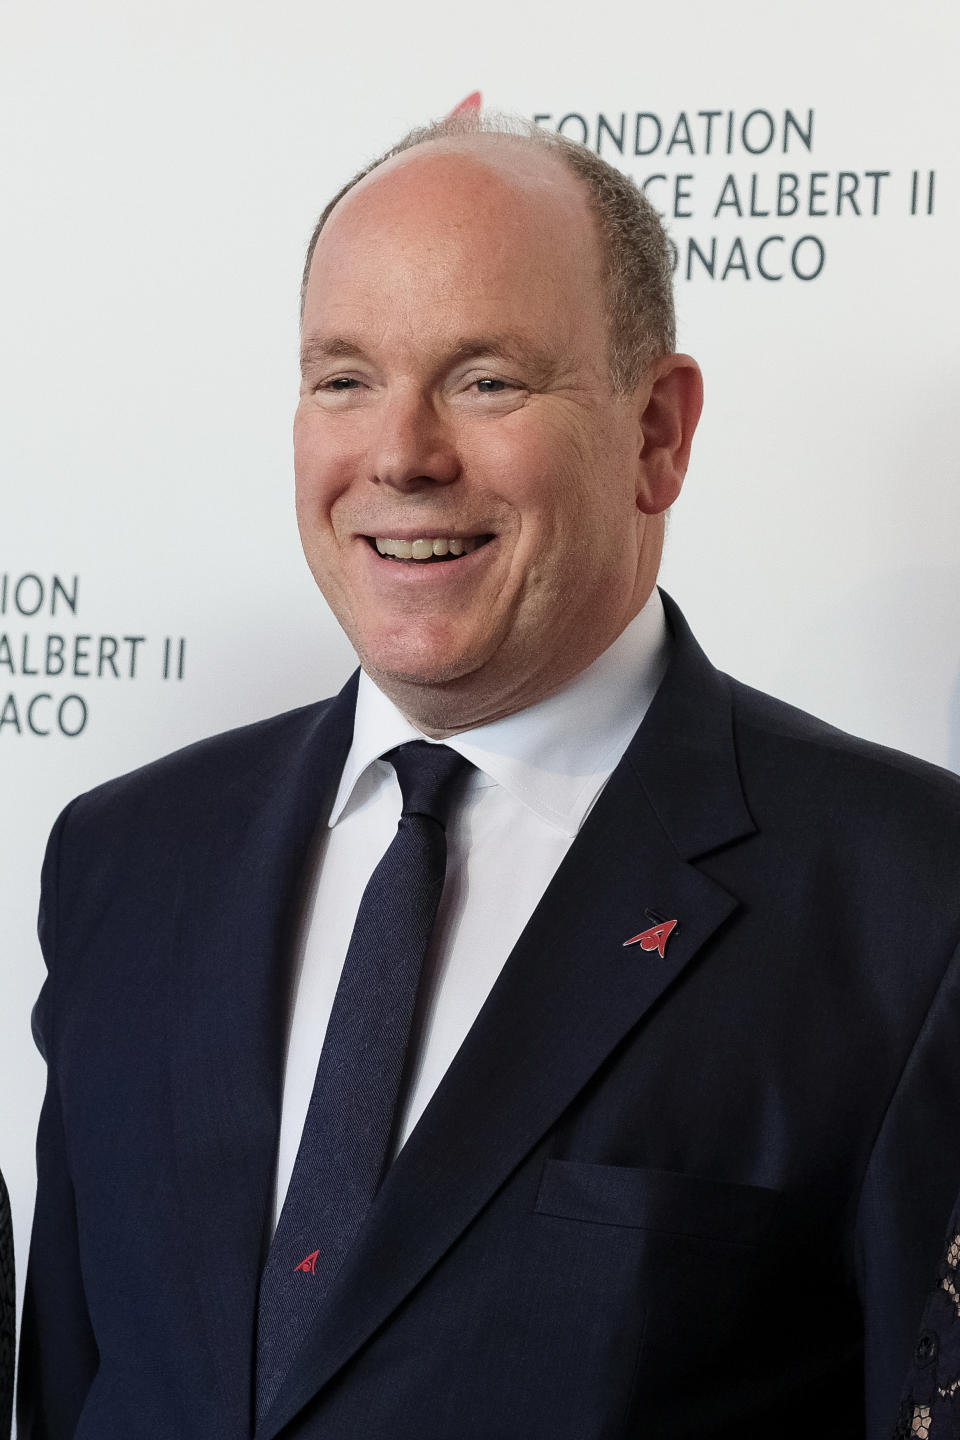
x=708, y=1263
x=657, y=1200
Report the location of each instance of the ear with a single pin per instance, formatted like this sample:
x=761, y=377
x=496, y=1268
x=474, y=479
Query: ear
x=671, y=396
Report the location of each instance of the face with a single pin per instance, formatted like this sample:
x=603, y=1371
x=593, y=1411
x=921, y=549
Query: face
x=469, y=487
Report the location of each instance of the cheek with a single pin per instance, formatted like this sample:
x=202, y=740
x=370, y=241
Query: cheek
x=585, y=534
x=323, y=469
x=528, y=468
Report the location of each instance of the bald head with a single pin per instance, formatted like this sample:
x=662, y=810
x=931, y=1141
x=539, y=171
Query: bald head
x=636, y=292
x=513, y=174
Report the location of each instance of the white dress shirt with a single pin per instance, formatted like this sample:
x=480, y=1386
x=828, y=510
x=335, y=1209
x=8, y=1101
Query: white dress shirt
x=538, y=774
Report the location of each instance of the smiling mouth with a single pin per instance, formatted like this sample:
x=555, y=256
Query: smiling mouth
x=425, y=551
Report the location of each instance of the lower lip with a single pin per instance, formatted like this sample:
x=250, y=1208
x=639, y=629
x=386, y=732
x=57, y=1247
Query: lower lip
x=425, y=572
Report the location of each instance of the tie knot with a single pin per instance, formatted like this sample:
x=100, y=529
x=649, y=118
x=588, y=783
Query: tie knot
x=427, y=775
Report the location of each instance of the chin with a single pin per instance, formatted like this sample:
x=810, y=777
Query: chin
x=400, y=673
x=412, y=661
x=423, y=649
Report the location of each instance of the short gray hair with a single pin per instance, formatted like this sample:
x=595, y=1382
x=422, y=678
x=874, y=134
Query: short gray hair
x=637, y=262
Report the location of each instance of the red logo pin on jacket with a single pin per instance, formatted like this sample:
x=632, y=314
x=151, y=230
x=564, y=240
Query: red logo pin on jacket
x=309, y=1265
x=655, y=938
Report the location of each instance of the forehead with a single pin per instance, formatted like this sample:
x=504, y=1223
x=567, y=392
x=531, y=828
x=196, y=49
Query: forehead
x=480, y=222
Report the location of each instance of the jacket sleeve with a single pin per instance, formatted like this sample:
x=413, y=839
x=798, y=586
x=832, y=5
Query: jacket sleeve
x=909, y=1185
x=58, y=1353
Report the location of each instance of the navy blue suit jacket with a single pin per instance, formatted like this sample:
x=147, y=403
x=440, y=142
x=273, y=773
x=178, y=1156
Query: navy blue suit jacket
x=698, y=1195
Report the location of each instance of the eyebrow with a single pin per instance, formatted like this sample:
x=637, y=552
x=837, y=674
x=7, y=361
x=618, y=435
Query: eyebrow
x=316, y=349
x=505, y=345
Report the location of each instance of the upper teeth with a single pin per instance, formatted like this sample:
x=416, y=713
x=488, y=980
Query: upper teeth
x=423, y=549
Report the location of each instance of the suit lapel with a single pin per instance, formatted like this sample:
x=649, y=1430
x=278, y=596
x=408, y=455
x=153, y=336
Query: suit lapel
x=240, y=905
x=569, y=993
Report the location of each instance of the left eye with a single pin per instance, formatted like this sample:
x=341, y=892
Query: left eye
x=489, y=386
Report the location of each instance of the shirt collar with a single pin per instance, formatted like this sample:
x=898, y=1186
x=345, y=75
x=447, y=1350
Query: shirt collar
x=555, y=756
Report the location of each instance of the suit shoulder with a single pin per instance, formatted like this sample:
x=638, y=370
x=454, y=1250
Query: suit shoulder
x=203, y=771
x=818, y=766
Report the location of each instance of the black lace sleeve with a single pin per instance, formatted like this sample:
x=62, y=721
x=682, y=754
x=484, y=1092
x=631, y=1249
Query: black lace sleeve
x=7, y=1313
x=931, y=1402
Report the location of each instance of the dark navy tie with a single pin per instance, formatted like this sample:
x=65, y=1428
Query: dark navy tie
x=350, y=1126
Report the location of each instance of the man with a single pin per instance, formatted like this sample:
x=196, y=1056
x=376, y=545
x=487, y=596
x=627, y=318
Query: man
x=662, y=1140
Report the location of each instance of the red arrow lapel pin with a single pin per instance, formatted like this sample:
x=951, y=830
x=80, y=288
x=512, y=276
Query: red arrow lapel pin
x=309, y=1265
x=655, y=938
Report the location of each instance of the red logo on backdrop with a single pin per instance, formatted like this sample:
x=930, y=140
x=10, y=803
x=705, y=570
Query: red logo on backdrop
x=308, y=1266
x=471, y=104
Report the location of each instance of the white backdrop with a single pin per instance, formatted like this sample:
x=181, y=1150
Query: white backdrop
x=161, y=168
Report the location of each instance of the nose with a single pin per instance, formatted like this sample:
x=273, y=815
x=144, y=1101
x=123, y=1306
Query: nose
x=414, y=446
